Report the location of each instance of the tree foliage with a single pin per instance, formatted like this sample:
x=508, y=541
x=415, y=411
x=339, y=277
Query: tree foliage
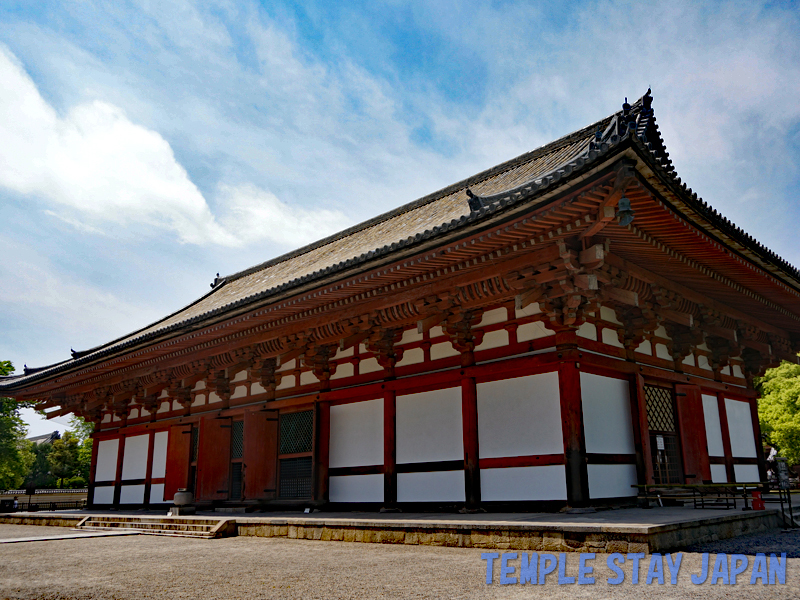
x=12, y=438
x=779, y=409
x=63, y=457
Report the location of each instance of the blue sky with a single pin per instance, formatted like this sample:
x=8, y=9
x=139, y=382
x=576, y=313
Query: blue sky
x=147, y=146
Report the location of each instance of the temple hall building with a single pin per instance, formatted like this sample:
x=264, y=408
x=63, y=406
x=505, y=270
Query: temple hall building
x=549, y=332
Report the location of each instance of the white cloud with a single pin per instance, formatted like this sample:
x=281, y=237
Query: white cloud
x=96, y=168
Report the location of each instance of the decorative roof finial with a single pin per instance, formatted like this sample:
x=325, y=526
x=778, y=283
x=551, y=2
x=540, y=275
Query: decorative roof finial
x=647, y=100
x=626, y=108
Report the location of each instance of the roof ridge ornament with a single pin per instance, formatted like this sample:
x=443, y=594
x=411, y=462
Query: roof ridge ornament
x=475, y=202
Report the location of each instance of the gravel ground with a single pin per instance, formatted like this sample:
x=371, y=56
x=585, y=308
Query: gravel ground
x=8, y=532
x=139, y=567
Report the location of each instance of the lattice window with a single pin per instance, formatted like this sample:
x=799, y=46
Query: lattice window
x=236, y=481
x=660, y=410
x=237, y=439
x=297, y=431
x=195, y=443
x=666, y=461
x=295, y=478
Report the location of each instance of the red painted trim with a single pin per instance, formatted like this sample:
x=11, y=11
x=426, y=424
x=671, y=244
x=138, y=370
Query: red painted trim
x=598, y=458
x=726, y=438
x=431, y=467
x=179, y=454
x=157, y=480
x=364, y=470
x=761, y=459
x=540, y=460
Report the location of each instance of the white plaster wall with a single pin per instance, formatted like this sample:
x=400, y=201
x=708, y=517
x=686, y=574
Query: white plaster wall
x=106, y=469
x=443, y=350
x=429, y=426
x=160, y=454
x=134, y=413
x=740, y=428
x=611, y=338
x=104, y=494
x=199, y=400
x=663, y=352
x=287, y=381
x=746, y=473
x=719, y=474
x=689, y=360
x=307, y=378
x=533, y=331
x=737, y=371
x=177, y=405
x=608, y=314
x=369, y=365
x=702, y=362
x=157, y=493
x=356, y=437
x=344, y=370
x=164, y=407
x=240, y=376
x=530, y=310
x=524, y=483
x=612, y=481
x=131, y=494
x=713, y=428
x=106, y=419
x=356, y=488
x=412, y=356
x=344, y=353
x=490, y=317
x=588, y=331
x=256, y=388
x=440, y=486
x=494, y=339
x=645, y=348
x=410, y=336
x=607, y=423
x=134, y=460
x=520, y=417
x=239, y=392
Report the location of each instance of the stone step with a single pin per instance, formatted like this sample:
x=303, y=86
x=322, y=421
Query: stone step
x=197, y=528
x=133, y=525
x=165, y=532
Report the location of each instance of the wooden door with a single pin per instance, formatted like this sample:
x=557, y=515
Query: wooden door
x=213, y=460
x=260, y=454
x=179, y=448
x=692, y=428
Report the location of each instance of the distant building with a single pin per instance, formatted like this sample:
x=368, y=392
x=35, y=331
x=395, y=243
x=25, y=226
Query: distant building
x=47, y=438
x=549, y=332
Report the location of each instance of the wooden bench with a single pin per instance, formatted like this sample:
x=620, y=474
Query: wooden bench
x=702, y=495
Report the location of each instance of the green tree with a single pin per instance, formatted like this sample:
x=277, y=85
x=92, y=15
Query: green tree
x=779, y=409
x=63, y=457
x=12, y=438
x=83, y=430
x=39, y=474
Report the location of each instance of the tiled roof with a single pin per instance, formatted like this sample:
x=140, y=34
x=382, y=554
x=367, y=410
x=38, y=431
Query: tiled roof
x=447, y=209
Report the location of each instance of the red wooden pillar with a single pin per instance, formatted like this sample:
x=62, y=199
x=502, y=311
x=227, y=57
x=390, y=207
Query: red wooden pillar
x=149, y=473
x=641, y=432
x=569, y=384
x=92, y=470
x=469, y=414
x=726, y=438
x=762, y=462
x=118, y=476
x=321, y=451
x=692, y=428
x=390, y=448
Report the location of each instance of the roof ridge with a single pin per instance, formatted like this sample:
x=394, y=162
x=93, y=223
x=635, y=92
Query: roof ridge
x=424, y=200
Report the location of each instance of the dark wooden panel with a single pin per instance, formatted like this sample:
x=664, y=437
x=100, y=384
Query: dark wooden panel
x=260, y=454
x=363, y=470
x=213, y=460
x=179, y=449
x=569, y=385
x=430, y=467
x=692, y=427
x=390, y=448
x=469, y=414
